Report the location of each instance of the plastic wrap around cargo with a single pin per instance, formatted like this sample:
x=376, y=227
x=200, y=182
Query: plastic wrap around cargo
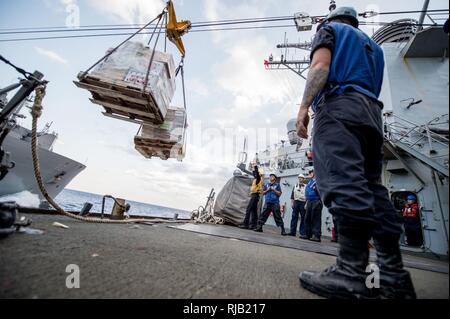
x=127, y=67
x=172, y=131
x=166, y=140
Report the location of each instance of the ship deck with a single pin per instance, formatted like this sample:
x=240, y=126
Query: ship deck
x=167, y=261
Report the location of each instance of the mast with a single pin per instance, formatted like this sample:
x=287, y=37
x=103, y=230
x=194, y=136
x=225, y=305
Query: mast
x=422, y=15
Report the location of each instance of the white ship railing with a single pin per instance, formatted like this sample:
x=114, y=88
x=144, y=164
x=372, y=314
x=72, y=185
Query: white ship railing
x=420, y=140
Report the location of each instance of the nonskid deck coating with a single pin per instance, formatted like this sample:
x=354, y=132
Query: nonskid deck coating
x=129, y=261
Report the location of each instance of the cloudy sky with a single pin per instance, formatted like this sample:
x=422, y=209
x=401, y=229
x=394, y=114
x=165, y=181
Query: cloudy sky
x=230, y=94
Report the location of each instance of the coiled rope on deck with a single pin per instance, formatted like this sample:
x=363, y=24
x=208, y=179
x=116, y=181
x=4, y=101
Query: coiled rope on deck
x=36, y=114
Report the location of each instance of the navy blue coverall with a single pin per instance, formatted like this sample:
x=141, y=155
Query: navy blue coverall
x=348, y=132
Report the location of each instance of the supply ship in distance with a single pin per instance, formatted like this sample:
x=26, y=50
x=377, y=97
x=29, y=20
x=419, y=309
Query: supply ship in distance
x=57, y=170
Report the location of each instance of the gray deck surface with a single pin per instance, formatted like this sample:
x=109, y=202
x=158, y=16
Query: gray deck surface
x=325, y=247
x=124, y=261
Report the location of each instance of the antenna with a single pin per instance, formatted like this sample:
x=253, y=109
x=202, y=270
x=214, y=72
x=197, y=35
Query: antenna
x=422, y=16
x=243, y=155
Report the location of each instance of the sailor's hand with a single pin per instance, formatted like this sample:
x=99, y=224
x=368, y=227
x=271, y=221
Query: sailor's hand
x=303, y=122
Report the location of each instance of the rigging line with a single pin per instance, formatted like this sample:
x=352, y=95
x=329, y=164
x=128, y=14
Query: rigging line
x=26, y=74
x=204, y=23
x=240, y=22
x=194, y=25
x=432, y=11
x=165, y=36
x=123, y=34
x=414, y=11
x=71, y=30
x=193, y=31
x=125, y=41
x=161, y=20
x=133, y=25
x=161, y=28
x=321, y=16
x=212, y=24
x=154, y=30
x=393, y=23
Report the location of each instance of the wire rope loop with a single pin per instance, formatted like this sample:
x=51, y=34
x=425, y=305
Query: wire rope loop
x=121, y=44
x=26, y=74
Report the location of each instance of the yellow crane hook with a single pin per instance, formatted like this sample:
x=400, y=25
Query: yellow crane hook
x=175, y=30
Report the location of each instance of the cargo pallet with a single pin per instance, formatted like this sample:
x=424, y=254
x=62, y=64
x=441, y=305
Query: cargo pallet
x=122, y=101
x=157, y=148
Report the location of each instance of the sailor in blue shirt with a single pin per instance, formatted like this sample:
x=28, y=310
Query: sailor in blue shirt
x=272, y=193
x=314, y=207
x=343, y=88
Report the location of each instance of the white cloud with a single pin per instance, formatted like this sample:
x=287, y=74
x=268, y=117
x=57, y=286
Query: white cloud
x=59, y=6
x=129, y=11
x=68, y=2
x=242, y=74
x=51, y=55
x=189, y=182
x=197, y=86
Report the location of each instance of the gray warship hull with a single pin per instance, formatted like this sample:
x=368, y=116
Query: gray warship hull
x=57, y=170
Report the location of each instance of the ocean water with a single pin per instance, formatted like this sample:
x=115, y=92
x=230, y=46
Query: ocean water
x=72, y=200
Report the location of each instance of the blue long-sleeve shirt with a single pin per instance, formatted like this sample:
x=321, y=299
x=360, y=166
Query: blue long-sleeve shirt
x=271, y=197
x=311, y=192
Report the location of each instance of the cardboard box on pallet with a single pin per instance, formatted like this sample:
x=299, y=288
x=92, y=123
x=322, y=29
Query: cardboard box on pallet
x=127, y=67
x=166, y=140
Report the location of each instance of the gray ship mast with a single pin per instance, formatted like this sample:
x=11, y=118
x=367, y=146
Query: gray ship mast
x=304, y=22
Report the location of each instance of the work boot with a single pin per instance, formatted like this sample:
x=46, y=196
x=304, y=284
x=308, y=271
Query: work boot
x=283, y=231
x=395, y=281
x=258, y=229
x=243, y=226
x=316, y=239
x=346, y=279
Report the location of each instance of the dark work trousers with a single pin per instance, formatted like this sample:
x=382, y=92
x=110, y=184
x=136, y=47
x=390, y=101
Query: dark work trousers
x=348, y=146
x=298, y=209
x=313, y=219
x=251, y=216
x=275, y=210
x=413, y=231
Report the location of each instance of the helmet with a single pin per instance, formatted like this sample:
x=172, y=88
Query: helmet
x=345, y=12
x=412, y=198
x=301, y=176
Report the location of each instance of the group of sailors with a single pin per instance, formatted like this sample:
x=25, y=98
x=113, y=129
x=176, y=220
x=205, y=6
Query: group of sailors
x=307, y=209
x=306, y=204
